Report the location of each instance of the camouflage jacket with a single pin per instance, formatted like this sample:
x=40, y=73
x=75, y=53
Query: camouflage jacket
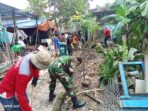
x=61, y=64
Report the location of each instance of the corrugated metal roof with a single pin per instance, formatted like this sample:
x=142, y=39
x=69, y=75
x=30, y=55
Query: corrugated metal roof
x=7, y=11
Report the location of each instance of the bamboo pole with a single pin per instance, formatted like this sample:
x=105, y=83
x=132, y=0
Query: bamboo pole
x=15, y=28
x=36, y=33
x=85, y=91
x=8, y=48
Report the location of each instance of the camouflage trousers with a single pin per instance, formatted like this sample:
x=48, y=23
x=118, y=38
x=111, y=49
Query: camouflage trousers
x=65, y=79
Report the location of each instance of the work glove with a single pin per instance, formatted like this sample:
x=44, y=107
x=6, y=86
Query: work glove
x=34, y=82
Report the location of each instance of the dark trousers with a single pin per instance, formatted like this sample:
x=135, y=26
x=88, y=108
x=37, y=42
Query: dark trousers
x=69, y=51
x=105, y=40
x=10, y=104
x=65, y=80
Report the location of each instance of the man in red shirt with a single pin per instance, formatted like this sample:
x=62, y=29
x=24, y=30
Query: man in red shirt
x=13, y=86
x=107, y=35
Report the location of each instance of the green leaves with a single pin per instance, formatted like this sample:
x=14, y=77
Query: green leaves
x=121, y=11
x=109, y=69
x=109, y=16
x=62, y=10
x=131, y=53
x=37, y=7
x=88, y=22
x=72, y=9
x=144, y=9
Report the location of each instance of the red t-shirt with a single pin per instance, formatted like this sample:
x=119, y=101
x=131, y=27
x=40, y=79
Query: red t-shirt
x=107, y=32
x=16, y=80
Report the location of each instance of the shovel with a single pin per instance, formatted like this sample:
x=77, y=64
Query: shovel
x=32, y=92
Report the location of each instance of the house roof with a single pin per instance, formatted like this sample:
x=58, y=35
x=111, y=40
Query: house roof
x=7, y=11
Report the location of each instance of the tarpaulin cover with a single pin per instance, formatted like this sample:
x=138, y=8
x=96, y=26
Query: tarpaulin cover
x=4, y=37
x=30, y=26
x=45, y=26
x=26, y=24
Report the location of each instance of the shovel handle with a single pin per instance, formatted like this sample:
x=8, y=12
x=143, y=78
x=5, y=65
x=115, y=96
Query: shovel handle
x=32, y=90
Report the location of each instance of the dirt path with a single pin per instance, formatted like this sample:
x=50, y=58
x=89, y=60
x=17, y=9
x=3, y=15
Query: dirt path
x=40, y=102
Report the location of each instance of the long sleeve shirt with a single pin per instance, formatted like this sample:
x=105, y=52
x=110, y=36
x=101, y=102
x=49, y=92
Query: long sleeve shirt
x=62, y=63
x=16, y=79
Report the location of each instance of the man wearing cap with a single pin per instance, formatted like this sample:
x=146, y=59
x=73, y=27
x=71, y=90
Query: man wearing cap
x=62, y=69
x=13, y=86
x=17, y=49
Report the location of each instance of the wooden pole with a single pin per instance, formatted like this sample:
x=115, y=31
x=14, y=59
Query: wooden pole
x=15, y=28
x=36, y=33
x=8, y=48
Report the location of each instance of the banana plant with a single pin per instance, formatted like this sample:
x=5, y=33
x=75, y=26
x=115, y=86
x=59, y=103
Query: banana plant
x=130, y=17
x=122, y=21
x=109, y=68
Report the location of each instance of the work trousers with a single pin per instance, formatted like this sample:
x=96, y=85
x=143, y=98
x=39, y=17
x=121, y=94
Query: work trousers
x=65, y=79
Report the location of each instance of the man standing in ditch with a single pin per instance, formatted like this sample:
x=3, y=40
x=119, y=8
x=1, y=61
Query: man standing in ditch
x=13, y=86
x=62, y=69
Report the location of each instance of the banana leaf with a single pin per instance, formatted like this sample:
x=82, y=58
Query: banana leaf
x=144, y=8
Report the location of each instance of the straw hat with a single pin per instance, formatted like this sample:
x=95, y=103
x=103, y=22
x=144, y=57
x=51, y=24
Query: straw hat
x=41, y=59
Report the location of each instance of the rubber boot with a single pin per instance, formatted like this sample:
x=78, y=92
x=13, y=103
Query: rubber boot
x=76, y=103
x=51, y=96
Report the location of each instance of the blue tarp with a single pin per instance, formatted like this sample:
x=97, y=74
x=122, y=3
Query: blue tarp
x=4, y=37
x=26, y=24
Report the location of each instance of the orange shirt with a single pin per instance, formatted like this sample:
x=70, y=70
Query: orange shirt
x=75, y=40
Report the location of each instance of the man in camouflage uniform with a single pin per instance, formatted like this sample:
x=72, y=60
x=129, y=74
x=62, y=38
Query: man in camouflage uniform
x=61, y=69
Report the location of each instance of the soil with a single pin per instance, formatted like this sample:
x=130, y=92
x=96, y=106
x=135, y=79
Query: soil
x=86, y=78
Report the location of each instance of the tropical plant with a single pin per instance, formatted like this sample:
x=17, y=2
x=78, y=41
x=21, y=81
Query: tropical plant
x=131, y=16
x=85, y=22
x=37, y=7
x=60, y=10
x=109, y=69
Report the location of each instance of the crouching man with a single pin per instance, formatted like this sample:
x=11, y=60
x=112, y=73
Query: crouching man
x=13, y=86
x=60, y=69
